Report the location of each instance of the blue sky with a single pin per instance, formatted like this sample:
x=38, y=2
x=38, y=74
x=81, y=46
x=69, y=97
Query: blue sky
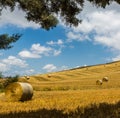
x=95, y=41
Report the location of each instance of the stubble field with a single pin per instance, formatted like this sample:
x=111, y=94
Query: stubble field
x=70, y=94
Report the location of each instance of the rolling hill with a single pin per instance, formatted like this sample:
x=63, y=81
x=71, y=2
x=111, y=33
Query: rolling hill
x=79, y=78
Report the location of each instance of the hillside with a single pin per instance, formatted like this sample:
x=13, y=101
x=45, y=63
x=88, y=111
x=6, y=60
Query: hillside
x=79, y=78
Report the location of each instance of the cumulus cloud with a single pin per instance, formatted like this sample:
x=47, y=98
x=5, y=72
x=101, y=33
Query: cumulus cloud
x=29, y=72
x=37, y=51
x=16, y=18
x=3, y=67
x=11, y=64
x=49, y=67
x=19, y=71
x=14, y=66
x=59, y=42
x=13, y=61
x=100, y=26
x=62, y=68
x=28, y=54
x=73, y=36
x=57, y=52
x=116, y=58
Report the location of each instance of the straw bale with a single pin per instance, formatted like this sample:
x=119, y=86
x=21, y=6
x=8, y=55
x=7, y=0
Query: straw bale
x=105, y=79
x=27, y=77
x=99, y=82
x=18, y=91
x=49, y=75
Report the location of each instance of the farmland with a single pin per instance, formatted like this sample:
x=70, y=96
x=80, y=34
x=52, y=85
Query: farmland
x=70, y=94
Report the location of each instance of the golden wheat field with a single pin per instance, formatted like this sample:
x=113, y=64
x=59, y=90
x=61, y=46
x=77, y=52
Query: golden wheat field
x=70, y=94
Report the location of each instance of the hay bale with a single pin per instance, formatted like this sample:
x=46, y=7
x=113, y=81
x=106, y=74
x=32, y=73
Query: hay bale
x=27, y=77
x=49, y=76
x=105, y=79
x=99, y=82
x=18, y=91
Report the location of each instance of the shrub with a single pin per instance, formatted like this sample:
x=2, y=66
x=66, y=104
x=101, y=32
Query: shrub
x=10, y=80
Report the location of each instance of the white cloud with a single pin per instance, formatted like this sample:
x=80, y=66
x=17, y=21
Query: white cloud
x=57, y=52
x=28, y=54
x=49, y=67
x=99, y=23
x=107, y=30
x=59, y=42
x=19, y=71
x=37, y=51
x=51, y=43
x=63, y=68
x=13, y=61
x=16, y=18
x=3, y=67
x=29, y=72
x=100, y=26
x=116, y=58
x=111, y=40
x=73, y=36
x=12, y=66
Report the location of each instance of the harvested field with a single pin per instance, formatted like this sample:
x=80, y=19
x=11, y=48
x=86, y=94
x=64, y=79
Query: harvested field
x=66, y=96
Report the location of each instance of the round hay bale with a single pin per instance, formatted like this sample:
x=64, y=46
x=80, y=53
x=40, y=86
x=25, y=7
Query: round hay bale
x=27, y=77
x=49, y=76
x=99, y=82
x=18, y=91
x=105, y=79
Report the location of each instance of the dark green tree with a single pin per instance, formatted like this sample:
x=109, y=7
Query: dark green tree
x=103, y=3
x=6, y=40
x=44, y=12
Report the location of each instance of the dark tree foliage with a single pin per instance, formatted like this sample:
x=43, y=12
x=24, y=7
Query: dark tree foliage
x=6, y=40
x=44, y=12
x=103, y=3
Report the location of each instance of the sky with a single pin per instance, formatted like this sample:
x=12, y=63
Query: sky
x=95, y=41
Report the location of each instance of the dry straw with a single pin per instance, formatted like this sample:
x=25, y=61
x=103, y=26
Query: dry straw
x=19, y=91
